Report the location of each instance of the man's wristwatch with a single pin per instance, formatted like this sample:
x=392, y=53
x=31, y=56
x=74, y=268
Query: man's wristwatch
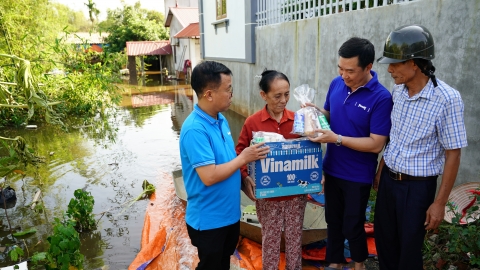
x=339, y=140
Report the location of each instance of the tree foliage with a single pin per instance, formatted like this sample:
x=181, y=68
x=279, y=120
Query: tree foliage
x=92, y=10
x=28, y=26
x=133, y=23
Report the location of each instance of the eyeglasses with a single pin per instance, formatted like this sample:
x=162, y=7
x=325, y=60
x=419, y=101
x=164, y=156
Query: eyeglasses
x=230, y=90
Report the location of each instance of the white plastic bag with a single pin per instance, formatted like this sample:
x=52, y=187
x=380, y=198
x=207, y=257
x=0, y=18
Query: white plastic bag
x=306, y=119
x=264, y=136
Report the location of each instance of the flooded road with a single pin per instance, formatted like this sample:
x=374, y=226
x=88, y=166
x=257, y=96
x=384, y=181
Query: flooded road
x=110, y=161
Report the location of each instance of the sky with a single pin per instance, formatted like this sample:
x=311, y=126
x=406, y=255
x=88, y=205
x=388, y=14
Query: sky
x=103, y=5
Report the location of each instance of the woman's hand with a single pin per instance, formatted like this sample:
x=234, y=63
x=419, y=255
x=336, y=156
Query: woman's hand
x=248, y=187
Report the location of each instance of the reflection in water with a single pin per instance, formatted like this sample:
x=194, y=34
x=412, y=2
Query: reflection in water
x=144, y=100
x=143, y=144
x=184, y=101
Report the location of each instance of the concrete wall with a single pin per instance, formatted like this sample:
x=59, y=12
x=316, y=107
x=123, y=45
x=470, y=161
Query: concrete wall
x=306, y=51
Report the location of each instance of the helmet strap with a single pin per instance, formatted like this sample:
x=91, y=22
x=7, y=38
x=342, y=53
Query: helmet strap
x=427, y=68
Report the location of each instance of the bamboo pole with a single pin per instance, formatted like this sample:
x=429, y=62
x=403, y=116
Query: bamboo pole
x=12, y=83
x=35, y=199
x=26, y=106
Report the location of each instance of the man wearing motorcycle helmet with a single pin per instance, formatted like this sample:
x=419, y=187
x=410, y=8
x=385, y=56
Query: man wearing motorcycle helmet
x=426, y=138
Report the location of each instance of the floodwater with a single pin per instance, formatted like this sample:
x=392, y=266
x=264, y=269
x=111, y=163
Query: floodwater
x=110, y=160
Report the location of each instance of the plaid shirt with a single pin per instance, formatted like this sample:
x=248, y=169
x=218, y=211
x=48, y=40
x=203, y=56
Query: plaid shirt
x=423, y=127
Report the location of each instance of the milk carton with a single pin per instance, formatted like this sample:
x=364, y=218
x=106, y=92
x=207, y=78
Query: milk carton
x=292, y=167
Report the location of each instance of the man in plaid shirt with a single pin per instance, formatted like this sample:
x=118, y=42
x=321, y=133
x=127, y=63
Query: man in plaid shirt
x=426, y=138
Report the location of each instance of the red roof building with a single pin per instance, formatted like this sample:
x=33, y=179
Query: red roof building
x=184, y=15
x=185, y=38
x=139, y=48
x=191, y=31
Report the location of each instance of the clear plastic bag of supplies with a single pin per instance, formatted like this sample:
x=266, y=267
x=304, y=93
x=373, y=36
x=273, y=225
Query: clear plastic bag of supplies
x=264, y=136
x=308, y=119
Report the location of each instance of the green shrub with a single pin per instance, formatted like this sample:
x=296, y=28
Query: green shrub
x=64, y=250
x=80, y=210
x=454, y=243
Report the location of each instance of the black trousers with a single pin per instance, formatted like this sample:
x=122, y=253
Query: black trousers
x=215, y=246
x=345, y=206
x=400, y=213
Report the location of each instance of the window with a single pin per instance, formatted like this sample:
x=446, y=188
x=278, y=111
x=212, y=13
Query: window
x=221, y=9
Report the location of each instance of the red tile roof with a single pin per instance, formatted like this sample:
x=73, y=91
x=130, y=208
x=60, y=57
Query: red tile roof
x=191, y=31
x=137, y=48
x=185, y=15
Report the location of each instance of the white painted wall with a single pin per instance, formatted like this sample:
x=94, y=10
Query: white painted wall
x=233, y=42
x=194, y=52
x=175, y=27
x=192, y=49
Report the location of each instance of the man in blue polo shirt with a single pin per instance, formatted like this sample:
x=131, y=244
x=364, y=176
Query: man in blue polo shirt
x=210, y=168
x=358, y=108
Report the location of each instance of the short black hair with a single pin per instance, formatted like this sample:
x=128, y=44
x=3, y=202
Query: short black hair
x=360, y=47
x=207, y=74
x=268, y=76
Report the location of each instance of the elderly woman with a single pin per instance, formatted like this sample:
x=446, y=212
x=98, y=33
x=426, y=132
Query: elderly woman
x=281, y=212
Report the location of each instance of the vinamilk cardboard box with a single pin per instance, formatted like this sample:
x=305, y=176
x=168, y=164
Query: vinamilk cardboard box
x=291, y=168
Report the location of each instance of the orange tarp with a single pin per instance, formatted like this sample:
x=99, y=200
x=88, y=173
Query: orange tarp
x=165, y=244
x=249, y=255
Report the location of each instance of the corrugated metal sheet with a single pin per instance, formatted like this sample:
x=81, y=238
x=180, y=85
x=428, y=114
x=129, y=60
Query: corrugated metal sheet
x=137, y=48
x=185, y=15
x=191, y=31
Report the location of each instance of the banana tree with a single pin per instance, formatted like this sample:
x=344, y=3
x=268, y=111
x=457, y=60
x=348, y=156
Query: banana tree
x=26, y=88
x=27, y=85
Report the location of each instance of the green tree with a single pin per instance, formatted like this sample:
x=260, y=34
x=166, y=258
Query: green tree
x=28, y=27
x=92, y=11
x=133, y=23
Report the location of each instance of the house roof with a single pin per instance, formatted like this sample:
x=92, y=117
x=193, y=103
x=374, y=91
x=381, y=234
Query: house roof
x=138, y=48
x=191, y=31
x=86, y=37
x=185, y=15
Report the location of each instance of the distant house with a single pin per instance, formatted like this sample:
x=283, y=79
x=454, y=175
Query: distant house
x=184, y=38
x=161, y=48
x=88, y=41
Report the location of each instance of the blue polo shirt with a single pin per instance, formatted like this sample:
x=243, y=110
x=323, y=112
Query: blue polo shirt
x=356, y=114
x=204, y=141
